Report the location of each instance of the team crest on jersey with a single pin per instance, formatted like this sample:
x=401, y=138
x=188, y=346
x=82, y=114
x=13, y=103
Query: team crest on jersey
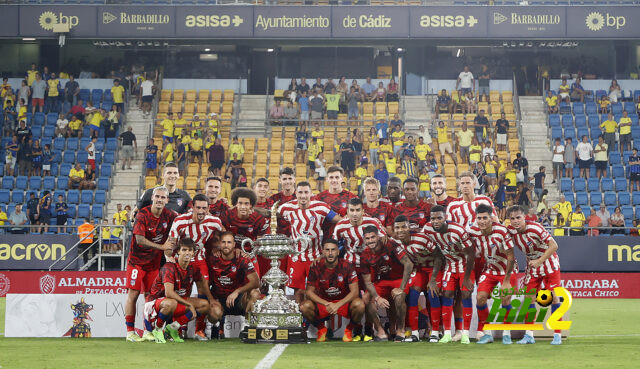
x=386, y=257
x=421, y=215
x=250, y=229
x=340, y=279
x=381, y=217
x=233, y=268
x=164, y=225
x=344, y=204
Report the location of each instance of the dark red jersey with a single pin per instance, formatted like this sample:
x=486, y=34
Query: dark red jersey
x=391, y=202
x=283, y=226
x=182, y=280
x=218, y=208
x=225, y=276
x=252, y=227
x=384, y=213
x=418, y=215
x=337, y=202
x=332, y=284
x=446, y=201
x=267, y=204
x=384, y=264
x=153, y=229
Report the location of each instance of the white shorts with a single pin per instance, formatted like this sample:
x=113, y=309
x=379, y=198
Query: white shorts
x=46, y=166
x=501, y=139
x=427, y=138
x=564, y=95
x=445, y=147
x=304, y=115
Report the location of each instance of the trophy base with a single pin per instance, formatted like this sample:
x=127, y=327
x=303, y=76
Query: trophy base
x=253, y=334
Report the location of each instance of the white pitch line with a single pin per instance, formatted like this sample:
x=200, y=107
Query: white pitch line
x=606, y=335
x=271, y=356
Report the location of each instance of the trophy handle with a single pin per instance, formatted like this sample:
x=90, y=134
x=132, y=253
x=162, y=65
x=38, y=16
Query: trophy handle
x=304, y=244
x=251, y=254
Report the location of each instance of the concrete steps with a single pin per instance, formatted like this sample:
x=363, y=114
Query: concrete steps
x=251, y=116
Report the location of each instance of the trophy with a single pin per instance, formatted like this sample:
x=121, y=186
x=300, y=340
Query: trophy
x=275, y=318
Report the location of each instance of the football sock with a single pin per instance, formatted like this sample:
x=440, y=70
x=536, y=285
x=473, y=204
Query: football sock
x=447, y=311
x=458, y=323
x=130, y=322
x=354, y=326
x=200, y=324
x=467, y=313
x=148, y=326
x=161, y=319
x=319, y=324
x=555, y=307
x=435, y=312
x=368, y=329
x=412, y=309
x=184, y=318
x=483, y=314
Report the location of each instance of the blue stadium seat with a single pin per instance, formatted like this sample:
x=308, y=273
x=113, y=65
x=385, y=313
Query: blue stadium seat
x=614, y=157
x=600, y=93
x=564, y=108
x=54, y=169
x=579, y=184
x=583, y=131
x=59, y=143
x=49, y=183
x=635, y=196
x=578, y=108
x=617, y=171
x=594, y=121
x=69, y=157
x=594, y=134
x=582, y=198
x=624, y=198
x=4, y=197
x=84, y=210
x=96, y=96
x=581, y=121
x=554, y=120
x=105, y=170
x=72, y=143
x=112, y=144
x=58, y=192
x=565, y=184
x=72, y=210
x=52, y=119
x=107, y=95
x=17, y=196
x=587, y=211
x=625, y=156
x=591, y=108
x=84, y=94
x=103, y=184
x=86, y=197
x=607, y=184
x=616, y=108
x=36, y=132
x=636, y=94
x=610, y=198
x=49, y=131
x=73, y=197
x=556, y=132
x=570, y=133
x=96, y=211
x=63, y=183
x=629, y=106
x=621, y=184
x=83, y=157
x=109, y=157
x=100, y=197
x=35, y=183
x=569, y=196
x=8, y=182
x=22, y=182
x=106, y=105
x=39, y=119
x=567, y=121
x=98, y=158
x=627, y=211
x=86, y=131
x=99, y=145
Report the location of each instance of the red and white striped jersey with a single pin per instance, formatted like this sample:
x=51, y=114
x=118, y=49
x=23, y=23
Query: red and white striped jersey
x=306, y=222
x=464, y=212
x=452, y=243
x=201, y=233
x=420, y=250
x=533, y=243
x=354, y=238
x=493, y=247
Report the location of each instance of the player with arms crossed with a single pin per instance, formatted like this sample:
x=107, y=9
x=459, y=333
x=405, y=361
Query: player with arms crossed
x=202, y=228
x=386, y=269
x=425, y=257
x=170, y=296
x=150, y=239
x=332, y=289
x=217, y=206
x=543, y=265
x=493, y=240
x=306, y=217
x=416, y=210
x=335, y=196
x=233, y=280
x=374, y=207
x=459, y=253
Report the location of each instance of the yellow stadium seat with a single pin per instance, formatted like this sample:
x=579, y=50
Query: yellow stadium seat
x=380, y=116
x=457, y=119
x=483, y=106
x=176, y=106
x=201, y=108
x=193, y=169
x=263, y=144
x=495, y=108
x=216, y=95
x=189, y=107
x=225, y=118
x=393, y=108
x=203, y=181
x=381, y=108
x=190, y=95
x=165, y=95
x=150, y=181
x=192, y=183
x=507, y=96
x=278, y=94
x=470, y=117
x=203, y=95
x=227, y=107
x=180, y=183
x=178, y=95
x=367, y=108
x=454, y=94
x=511, y=117
x=494, y=96
x=288, y=158
x=261, y=170
x=508, y=108
x=228, y=95
x=289, y=145
x=163, y=107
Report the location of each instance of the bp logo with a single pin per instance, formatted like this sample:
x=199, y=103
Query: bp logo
x=595, y=21
x=48, y=20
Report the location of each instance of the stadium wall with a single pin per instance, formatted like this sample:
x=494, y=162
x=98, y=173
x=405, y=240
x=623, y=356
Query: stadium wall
x=601, y=84
x=239, y=86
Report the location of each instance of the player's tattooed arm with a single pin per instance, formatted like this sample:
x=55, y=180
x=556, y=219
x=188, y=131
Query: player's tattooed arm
x=264, y=212
x=406, y=273
x=511, y=260
x=311, y=295
x=372, y=291
x=470, y=253
x=144, y=242
x=552, y=247
x=171, y=294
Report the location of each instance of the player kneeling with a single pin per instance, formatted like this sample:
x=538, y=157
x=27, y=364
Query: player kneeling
x=228, y=271
x=332, y=289
x=169, y=303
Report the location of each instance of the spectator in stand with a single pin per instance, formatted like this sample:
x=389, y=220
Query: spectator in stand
x=118, y=95
x=470, y=103
x=276, y=113
x=444, y=146
x=76, y=176
x=475, y=152
x=392, y=90
x=466, y=81
x=128, y=147
x=36, y=158
x=604, y=105
x=168, y=125
x=544, y=218
x=443, y=103
x=398, y=139
x=531, y=215
x=501, y=132
x=77, y=110
x=424, y=133
x=320, y=166
x=313, y=150
x=95, y=122
x=181, y=156
x=634, y=170
x=91, y=152
x=62, y=126
x=500, y=199
x=386, y=150
x=353, y=98
x=168, y=153
x=559, y=223
x=593, y=221
x=511, y=175
x=303, y=105
x=605, y=217
x=635, y=232
x=481, y=124
x=569, y=158
x=563, y=207
x=292, y=91
x=317, y=105
x=44, y=212
x=521, y=164
x=236, y=148
x=303, y=87
x=38, y=90
x=379, y=94
x=347, y=158
x=408, y=167
x=374, y=146
x=30, y=76
x=356, y=140
x=151, y=158
x=290, y=114
x=32, y=208
x=147, y=90
x=564, y=90
x=625, y=131
x=12, y=150
x=318, y=134
x=24, y=92
x=318, y=85
x=601, y=158
x=329, y=86
x=216, y=155
x=302, y=136
x=360, y=174
x=333, y=104
x=538, y=187
x=396, y=120
x=382, y=175
x=615, y=92
x=457, y=102
x=52, y=101
x=576, y=222
x=61, y=209
x=17, y=218
x=47, y=160
x=577, y=91
x=25, y=165
x=484, y=80
x=463, y=142
x=24, y=134
x=383, y=130
x=422, y=150
x=368, y=89
x=542, y=202
x=585, y=156
x=488, y=151
x=195, y=148
x=552, y=103
x=617, y=221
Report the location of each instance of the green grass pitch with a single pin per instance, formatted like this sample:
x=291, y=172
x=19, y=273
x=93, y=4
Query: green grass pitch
x=604, y=334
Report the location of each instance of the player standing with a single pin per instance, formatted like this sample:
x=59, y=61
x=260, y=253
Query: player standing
x=150, y=239
x=263, y=202
x=426, y=258
x=202, y=228
x=234, y=282
x=288, y=193
x=335, y=196
x=459, y=253
x=543, y=263
x=394, y=191
x=439, y=191
x=217, y=206
x=415, y=209
x=179, y=200
x=306, y=217
x=332, y=289
x=386, y=269
x=170, y=296
x=374, y=206
x=493, y=240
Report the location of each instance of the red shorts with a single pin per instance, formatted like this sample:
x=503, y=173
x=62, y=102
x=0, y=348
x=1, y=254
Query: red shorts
x=37, y=102
x=201, y=265
x=384, y=287
x=420, y=278
x=139, y=279
x=453, y=281
x=298, y=272
x=478, y=267
x=550, y=281
x=343, y=311
x=487, y=282
x=92, y=162
x=264, y=265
